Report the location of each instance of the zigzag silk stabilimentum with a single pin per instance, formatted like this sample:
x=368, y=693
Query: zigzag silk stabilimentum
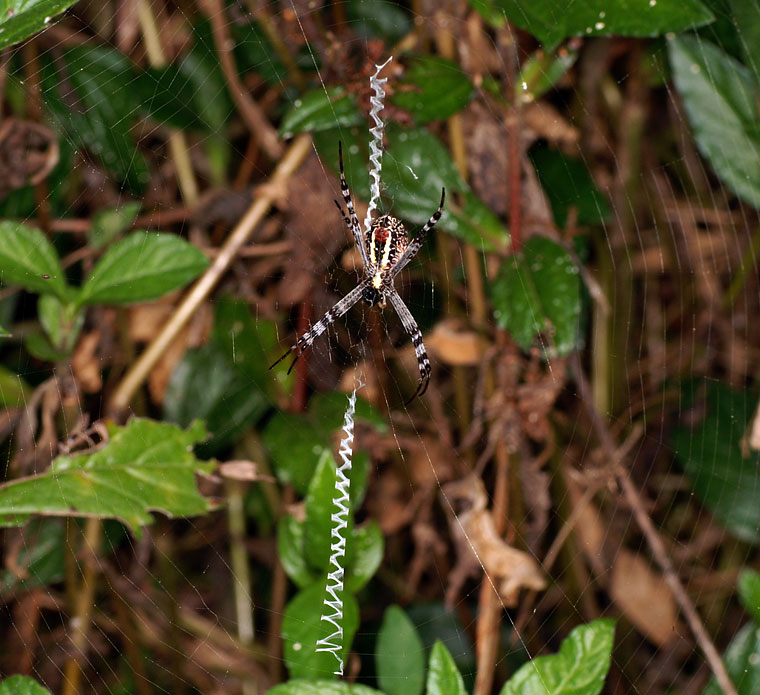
x=334, y=586
x=376, y=142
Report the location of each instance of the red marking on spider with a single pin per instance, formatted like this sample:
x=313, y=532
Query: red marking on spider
x=381, y=234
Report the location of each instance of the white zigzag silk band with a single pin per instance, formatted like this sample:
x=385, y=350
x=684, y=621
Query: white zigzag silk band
x=334, y=586
x=376, y=142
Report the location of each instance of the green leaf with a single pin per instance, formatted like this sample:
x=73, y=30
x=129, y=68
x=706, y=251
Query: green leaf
x=432, y=89
x=254, y=53
x=742, y=659
x=365, y=555
x=490, y=11
x=746, y=21
x=539, y=291
x=145, y=466
x=247, y=343
x=28, y=259
x=290, y=549
x=443, y=675
x=61, y=322
x=542, y=71
x=109, y=225
x=38, y=345
x=725, y=481
x=749, y=593
x=415, y=168
x=4, y=333
x=568, y=184
x=384, y=20
x=13, y=389
x=720, y=98
x=321, y=109
x=579, y=668
x=355, y=157
x=41, y=557
x=550, y=21
x=302, y=626
x=142, y=267
x=20, y=19
x=319, y=509
x=321, y=687
x=99, y=113
x=295, y=445
x=399, y=655
x=204, y=385
x=22, y=685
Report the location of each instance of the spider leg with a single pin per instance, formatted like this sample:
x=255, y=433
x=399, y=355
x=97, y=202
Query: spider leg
x=410, y=325
x=353, y=222
x=416, y=244
x=306, y=340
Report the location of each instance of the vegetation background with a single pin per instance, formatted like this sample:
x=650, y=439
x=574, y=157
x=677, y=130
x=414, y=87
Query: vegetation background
x=572, y=507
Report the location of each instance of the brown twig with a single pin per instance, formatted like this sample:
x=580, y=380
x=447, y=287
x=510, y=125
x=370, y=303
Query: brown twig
x=252, y=114
x=119, y=401
x=633, y=497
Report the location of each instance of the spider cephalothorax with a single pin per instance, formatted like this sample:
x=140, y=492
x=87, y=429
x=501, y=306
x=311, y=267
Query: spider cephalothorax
x=385, y=250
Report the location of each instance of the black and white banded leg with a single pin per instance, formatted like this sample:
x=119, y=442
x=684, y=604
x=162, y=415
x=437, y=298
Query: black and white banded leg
x=352, y=220
x=414, y=333
x=416, y=244
x=306, y=340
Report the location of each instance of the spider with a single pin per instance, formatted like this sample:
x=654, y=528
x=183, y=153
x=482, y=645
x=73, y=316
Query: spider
x=385, y=250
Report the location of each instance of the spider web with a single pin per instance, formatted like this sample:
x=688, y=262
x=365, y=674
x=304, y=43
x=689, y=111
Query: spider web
x=671, y=312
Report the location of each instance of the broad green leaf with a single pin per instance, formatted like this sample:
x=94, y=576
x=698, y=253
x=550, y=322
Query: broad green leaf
x=108, y=225
x=539, y=291
x=28, y=259
x=726, y=482
x=568, y=184
x=13, y=389
x=4, y=333
x=490, y=11
x=550, y=21
x=542, y=71
x=145, y=466
x=746, y=21
x=61, y=321
x=295, y=445
x=385, y=20
x=319, y=510
x=432, y=89
x=355, y=158
x=20, y=19
x=415, y=168
x=365, y=555
x=99, y=113
x=321, y=109
x=142, y=267
x=206, y=386
x=301, y=686
x=443, y=675
x=749, y=593
x=579, y=668
x=247, y=343
x=742, y=659
x=22, y=685
x=399, y=655
x=254, y=53
x=434, y=621
x=720, y=98
x=41, y=557
x=302, y=626
x=290, y=550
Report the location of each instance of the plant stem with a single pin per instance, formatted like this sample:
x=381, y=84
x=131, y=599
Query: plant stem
x=80, y=621
x=241, y=574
